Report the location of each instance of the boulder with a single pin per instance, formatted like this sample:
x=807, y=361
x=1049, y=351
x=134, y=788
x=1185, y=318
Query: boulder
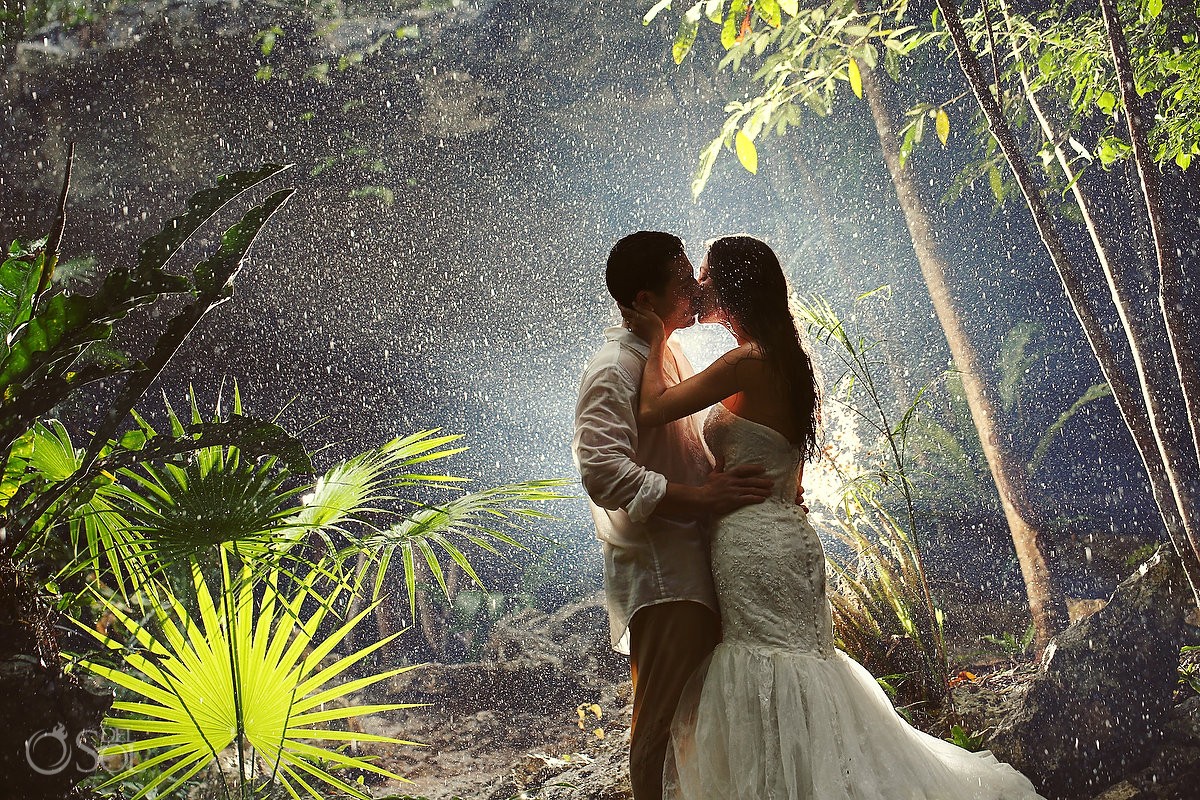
x=1100, y=702
x=51, y=720
x=534, y=663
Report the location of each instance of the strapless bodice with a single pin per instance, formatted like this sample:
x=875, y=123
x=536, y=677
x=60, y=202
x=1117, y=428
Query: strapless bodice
x=767, y=561
x=736, y=440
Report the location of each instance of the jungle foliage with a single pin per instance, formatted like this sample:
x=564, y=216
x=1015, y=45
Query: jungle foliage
x=212, y=567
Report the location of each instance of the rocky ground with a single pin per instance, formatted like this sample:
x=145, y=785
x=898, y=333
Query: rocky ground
x=546, y=713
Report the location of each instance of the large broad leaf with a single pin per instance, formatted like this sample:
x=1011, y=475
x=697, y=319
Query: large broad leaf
x=18, y=283
x=158, y=249
x=54, y=337
x=49, y=343
x=213, y=277
x=72, y=322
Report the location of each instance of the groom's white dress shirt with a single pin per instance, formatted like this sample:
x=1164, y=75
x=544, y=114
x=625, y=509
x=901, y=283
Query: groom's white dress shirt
x=648, y=558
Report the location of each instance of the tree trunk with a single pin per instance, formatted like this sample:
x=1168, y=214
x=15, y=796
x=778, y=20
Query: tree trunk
x=1177, y=512
x=1154, y=441
x=1046, y=603
x=1170, y=276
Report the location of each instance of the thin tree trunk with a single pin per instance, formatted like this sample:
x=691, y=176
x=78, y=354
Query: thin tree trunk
x=1183, y=540
x=1046, y=603
x=1153, y=441
x=1170, y=277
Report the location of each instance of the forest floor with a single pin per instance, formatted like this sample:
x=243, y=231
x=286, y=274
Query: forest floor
x=492, y=734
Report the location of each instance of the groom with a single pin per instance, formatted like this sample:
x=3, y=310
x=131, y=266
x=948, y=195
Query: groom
x=652, y=493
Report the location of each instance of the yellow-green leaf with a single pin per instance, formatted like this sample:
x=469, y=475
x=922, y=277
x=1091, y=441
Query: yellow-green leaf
x=943, y=125
x=790, y=7
x=1154, y=8
x=689, y=25
x=733, y=20
x=747, y=153
x=769, y=11
x=654, y=10
x=1184, y=160
x=855, y=79
x=997, y=183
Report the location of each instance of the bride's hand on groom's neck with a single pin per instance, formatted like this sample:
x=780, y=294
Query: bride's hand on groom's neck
x=644, y=323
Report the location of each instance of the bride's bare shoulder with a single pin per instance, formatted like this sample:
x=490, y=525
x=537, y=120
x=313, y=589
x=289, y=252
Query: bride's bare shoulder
x=744, y=352
x=744, y=356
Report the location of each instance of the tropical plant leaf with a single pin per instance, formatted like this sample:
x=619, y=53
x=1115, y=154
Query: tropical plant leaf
x=213, y=277
x=216, y=500
x=19, y=276
x=194, y=699
x=486, y=519
x=1092, y=394
x=158, y=249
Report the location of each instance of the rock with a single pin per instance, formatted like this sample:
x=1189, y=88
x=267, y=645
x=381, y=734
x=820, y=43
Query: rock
x=51, y=720
x=1097, y=708
x=534, y=663
x=510, y=723
x=1174, y=769
x=601, y=775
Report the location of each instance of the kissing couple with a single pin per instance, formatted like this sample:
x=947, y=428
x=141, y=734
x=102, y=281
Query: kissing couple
x=713, y=576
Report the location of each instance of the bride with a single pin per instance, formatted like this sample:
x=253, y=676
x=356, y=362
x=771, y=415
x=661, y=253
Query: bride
x=778, y=712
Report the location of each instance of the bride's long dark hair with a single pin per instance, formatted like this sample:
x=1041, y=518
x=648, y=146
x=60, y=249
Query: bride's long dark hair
x=750, y=286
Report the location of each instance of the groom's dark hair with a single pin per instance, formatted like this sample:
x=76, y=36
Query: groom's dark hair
x=639, y=261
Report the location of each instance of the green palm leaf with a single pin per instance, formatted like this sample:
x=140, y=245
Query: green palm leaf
x=361, y=485
x=485, y=519
x=193, y=697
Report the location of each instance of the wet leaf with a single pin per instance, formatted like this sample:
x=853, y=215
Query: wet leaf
x=770, y=12
x=654, y=11
x=855, y=79
x=943, y=126
x=747, y=153
x=733, y=18
x=686, y=37
x=997, y=183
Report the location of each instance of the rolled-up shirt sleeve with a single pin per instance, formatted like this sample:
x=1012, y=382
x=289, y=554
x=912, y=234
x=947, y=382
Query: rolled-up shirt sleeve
x=605, y=442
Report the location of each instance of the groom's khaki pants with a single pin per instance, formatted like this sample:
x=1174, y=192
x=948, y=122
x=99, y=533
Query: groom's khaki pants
x=667, y=642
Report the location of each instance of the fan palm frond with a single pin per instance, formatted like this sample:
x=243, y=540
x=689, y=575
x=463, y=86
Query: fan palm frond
x=241, y=673
x=486, y=518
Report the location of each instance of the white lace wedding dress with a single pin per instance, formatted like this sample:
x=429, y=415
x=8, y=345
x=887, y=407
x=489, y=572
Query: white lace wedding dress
x=779, y=713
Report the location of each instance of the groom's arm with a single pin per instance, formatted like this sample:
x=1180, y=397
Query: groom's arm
x=721, y=493
x=605, y=441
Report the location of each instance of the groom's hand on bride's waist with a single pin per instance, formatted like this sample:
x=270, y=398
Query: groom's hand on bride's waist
x=729, y=490
x=722, y=492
